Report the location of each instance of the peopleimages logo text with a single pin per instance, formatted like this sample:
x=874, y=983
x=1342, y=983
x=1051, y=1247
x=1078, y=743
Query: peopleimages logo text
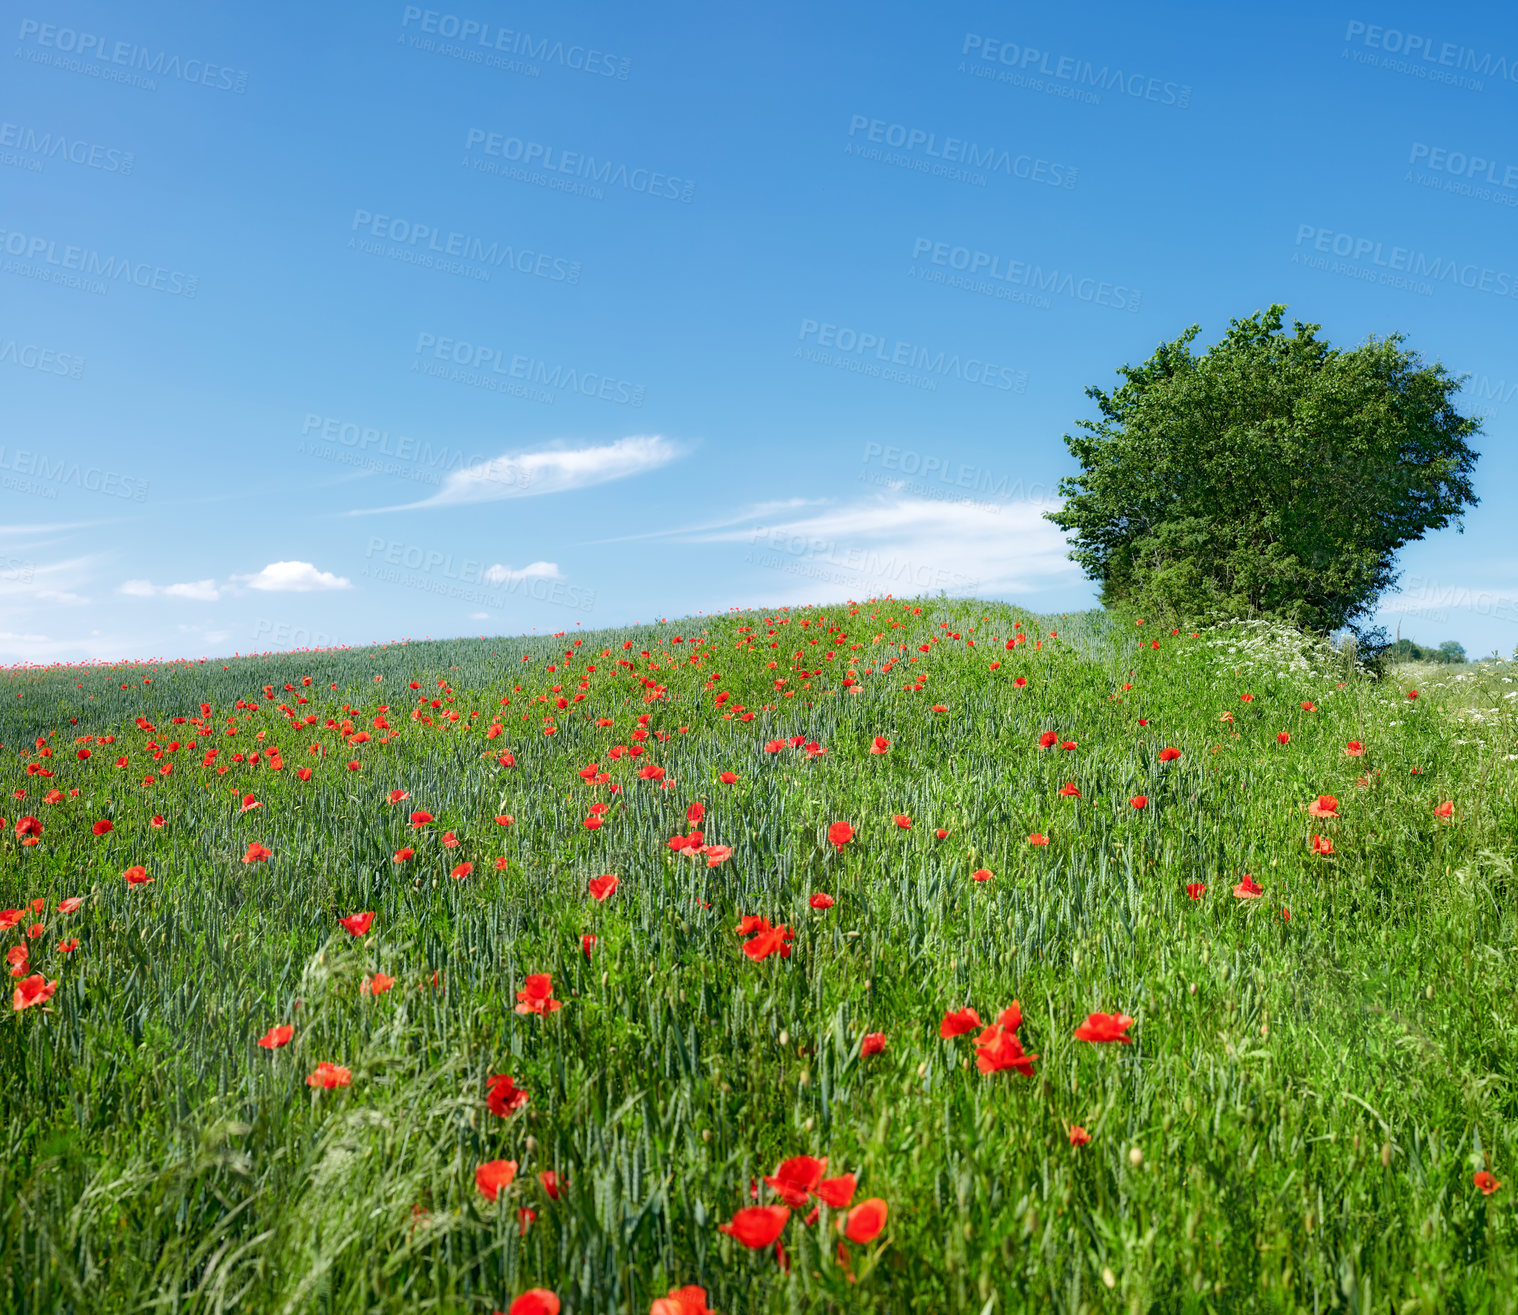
x=576, y=164
x=893, y=352
x=487, y=36
x=1081, y=72
x=55, y=146
x=461, y=246
x=88, y=264
x=976, y=265
x=1408, y=261
x=1446, y=54
x=956, y=151
x=127, y=54
x=482, y=362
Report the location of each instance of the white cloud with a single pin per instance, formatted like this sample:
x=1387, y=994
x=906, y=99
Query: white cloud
x=554, y=470
x=904, y=546
x=25, y=583
x=199, y=591
x=292, y=578
x=479, y=616
x=499, y=574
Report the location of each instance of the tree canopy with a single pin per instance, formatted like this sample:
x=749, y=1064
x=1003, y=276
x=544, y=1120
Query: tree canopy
x=1272, y=475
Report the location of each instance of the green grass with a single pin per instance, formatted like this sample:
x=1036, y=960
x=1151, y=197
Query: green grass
x=1295, y=1126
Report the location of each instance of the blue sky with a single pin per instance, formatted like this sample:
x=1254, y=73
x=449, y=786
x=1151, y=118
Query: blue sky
x=349, y=323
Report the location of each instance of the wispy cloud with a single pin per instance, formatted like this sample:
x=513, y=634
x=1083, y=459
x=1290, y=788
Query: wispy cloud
x=552, y=470
x=499, y=574
x=198, y=591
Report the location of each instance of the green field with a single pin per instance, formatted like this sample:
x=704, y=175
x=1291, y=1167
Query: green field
x=1297, y=1124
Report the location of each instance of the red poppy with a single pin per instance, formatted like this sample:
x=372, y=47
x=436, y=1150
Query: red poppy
x=403, y=855
x=461, y=870
x=421, y=817
x=728, y=778
x=690, y=1300
x=33, y=990
x=1283, y=738
x=941, y=834
x=1325, y=805
x=17, y=958
x=303, y=773
x=998, y=1048
x=873, y=1043
x=537, y=995
x=958, y=1022
x=1196, y=889
x=768, y=940
x=591, y=823
x=358, y=924
x=1485, y=1182
x=1069, y=791
x=1105, y=1027
x=1038, y=838
x=493, y=1175
x=502, y=1095
x=1412, y=693
x=137, y=875
x=506, y=819
x=1322, y=845
x=257, y=853
x=535, y=1301
x=277, y=1036
x=156, y=821
x=903, y=821
x=249, y=803
x=329, y=1076
x=866, y=1220
x=757, y=1226
x=821, y=900
x=880, y=745
x=102, y=826
x=1446, y=809
x=795, y=1179
x=1354, y=749
x=587, y=943
x=70, y=904
x=716, y=854
x=602, y=887
x=1309, y=706
x=377, y=984
x=1078, y=1135
x=1140, y=801
x=395, y=796
x=1048, y=740
x=1020, y=681
x=549, y=1181
x=981, y=874
x=68, y=946
x=839, y=834
x=1169, y=755
x=1249, y=888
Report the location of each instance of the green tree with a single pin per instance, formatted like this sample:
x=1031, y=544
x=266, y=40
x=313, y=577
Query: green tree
x=1450, y=651
x=1272, y=475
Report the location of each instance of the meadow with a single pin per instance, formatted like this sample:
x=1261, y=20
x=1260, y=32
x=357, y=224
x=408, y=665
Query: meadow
x=957, y=959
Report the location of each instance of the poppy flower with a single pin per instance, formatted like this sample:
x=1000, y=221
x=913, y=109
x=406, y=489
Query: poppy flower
x=1140, y=801
x=68, y=946
x=1322, y=845
x=137, y=875
x=1309, y=706
x=1325, y=805
x=17, y=959
x=549, y=1181
x=1249, y=888
x=958, y=1022
x=1078, y=1135
x=378, y=984
x=1068, y=745
x=1283, y=738
x=303, y=773
x=461, y=870
x=277, y=1036
x=795, y=1179
x=767, y=941
x=839, y=834
x=536, y=997
x=1169, y=755
x=592, y=823
x=403, y=855
x=1048, y=740
x=602, y=887
x=102, y=826
x=329, y=1076
x=354, y=765
x=690, y=1300
x=257, y=853
x=1196, y=889
x=28, y=826
x=873, y=1043
x=157, y=822
x=535, y=1301
x=420, y=817
x=1020, y=681
x=998, y=1048
x=1069, y=791
x=1354, y=749
x=1412, y=693
x=493, y=1175
x=757, y=1226
x=249, y=803
x=716, y=854
x=880, y=745
x=1485, y=1182
x=70, y=904
x=1446, y=809
x=503, y=1096
x=941, y=834
x=526, y=1216
x=1105, y=1027
x=729, y=778
x=587, y=943
x=981, y=874
x=1038, y=838
x=903, y=821
x=866, y=1220
x=395, y=796
x=821, y=900
x=358, y=924
x=35, y=990
x=506, y=819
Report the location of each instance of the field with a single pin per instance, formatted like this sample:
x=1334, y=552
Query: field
x=1295, y=882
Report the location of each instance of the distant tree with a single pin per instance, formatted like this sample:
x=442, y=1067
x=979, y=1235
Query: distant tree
x=1273, y=475
x=1450, y=651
